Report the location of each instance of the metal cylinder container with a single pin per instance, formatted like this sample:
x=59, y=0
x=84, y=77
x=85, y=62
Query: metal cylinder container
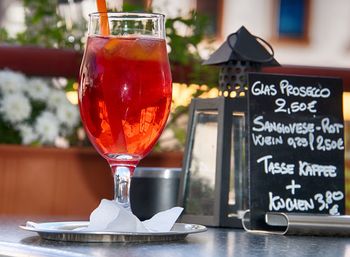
x=153, y=189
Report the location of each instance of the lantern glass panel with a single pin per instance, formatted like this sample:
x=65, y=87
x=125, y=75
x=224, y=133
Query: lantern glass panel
x=202, y=167
x=237, y=198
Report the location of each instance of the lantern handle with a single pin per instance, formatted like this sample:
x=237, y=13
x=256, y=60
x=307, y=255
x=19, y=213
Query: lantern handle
x=247, y=58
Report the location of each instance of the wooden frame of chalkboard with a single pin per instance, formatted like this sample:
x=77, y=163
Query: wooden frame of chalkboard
x=208, y=143
x=296, y=146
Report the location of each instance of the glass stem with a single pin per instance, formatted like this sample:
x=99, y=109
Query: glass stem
x=122, y=176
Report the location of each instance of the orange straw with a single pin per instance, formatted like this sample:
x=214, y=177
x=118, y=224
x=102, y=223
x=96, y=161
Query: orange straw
x=102, y=8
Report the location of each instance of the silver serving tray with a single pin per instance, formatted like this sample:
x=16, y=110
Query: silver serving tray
x=69, y=231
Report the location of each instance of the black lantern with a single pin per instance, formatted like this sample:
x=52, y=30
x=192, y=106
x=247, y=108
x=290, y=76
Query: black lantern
x=214, y=187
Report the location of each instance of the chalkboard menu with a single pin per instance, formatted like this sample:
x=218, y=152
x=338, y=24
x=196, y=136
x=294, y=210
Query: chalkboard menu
x=296, y=158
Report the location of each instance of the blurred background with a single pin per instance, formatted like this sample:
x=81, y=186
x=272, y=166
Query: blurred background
x=34, y=33
x=302, y=31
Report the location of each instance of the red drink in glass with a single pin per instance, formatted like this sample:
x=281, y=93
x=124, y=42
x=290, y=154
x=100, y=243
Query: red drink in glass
x=124, y=90
x=125, y=94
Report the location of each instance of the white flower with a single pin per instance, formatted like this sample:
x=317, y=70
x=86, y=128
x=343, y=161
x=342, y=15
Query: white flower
x=68, y=115
x=15, y=108
x=34, y=109
x=47, y=127
x=61, y=142
x=37, y=89
x=56, y=99
x=11, y=82
x=27, y=134
x=81, y=134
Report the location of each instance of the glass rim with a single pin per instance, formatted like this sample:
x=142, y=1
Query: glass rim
x=126, y=15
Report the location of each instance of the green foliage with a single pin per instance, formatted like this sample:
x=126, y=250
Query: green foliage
x=8, y=135
x=45, y=27
x=4, y=36
x=184, y=48
x=131, y=8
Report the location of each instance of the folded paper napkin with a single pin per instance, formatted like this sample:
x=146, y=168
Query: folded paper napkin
x=110, y=216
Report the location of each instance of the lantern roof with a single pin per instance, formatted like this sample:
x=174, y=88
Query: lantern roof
x=243, y=46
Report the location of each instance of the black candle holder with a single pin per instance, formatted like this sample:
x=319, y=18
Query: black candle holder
x=214, y=185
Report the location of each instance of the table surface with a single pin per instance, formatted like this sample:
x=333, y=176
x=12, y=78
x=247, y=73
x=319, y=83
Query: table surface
x=214, y=242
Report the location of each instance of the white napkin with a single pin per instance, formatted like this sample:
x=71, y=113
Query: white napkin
x=110, y=216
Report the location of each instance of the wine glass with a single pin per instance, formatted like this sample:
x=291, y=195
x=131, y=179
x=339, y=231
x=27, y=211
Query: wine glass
x=124, y=90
